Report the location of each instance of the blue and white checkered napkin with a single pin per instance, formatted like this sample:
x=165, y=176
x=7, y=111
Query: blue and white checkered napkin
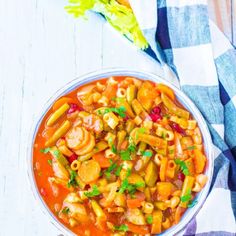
x=180, y=33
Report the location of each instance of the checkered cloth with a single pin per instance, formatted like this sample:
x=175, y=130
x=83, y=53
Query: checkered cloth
x=180, y=34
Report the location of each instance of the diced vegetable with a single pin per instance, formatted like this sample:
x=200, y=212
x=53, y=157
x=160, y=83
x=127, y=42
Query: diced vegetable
x=135, y=216
x=89, y=171
x=151, y=174
x=173, y=108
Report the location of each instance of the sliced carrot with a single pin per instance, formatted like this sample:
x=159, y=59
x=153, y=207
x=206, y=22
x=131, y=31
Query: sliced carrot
x=166, y=90
x=89, y=171
x=199, y=161
x=137, y=201
x=137, y=229
x=101, y=159
x=62, y=101
x=124, y=145
x=134, y=203
x=75, y=137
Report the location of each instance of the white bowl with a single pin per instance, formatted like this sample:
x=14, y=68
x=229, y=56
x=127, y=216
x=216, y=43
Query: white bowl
x=183, y=99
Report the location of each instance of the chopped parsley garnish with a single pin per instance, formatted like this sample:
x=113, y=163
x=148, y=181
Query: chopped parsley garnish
x=120, y=111
x=191, y=147
x=131, y=188
x=149, y=219
x=65, y=210
x=118, y=170
x=95, y=192
x=113, y=149
x=45, y=150
x=125, y=155
x=56, y=153
x=121, y=228
x=183, y=166
x=132, y=147
x=147, y=153
x=192, y=203
x=72, y=181
x=186, y=197
x=112, y=167
x=140, y=131
x=50, y=162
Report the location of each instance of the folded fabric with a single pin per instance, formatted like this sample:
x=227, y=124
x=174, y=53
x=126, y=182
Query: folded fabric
x=180, y=33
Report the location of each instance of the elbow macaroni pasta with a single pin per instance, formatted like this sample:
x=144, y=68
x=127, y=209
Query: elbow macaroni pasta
x=120, y=153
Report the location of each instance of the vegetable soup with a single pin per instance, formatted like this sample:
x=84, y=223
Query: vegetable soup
x=119, y=156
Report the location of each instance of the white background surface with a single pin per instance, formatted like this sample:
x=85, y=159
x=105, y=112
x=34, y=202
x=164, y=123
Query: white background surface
x=41, y=49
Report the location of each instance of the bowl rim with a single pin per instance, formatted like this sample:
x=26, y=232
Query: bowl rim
x=104, y=73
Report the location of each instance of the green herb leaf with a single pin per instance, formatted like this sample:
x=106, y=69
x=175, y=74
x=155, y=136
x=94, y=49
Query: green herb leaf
x=132, y=147
x=187, y=196
x=149, y=219
x=113, y=149
x=50, y=162
x=120, y=111
x=45, y=150
x=72, y=181
x=56, y=153
x=191, y=147
x=66, y=210
x=118, y=170
x=125, y=155
x=95, y=192
x=121, y=228
x=192, y=203
x=183, y=166
x=112, y=167
x=147, y=153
